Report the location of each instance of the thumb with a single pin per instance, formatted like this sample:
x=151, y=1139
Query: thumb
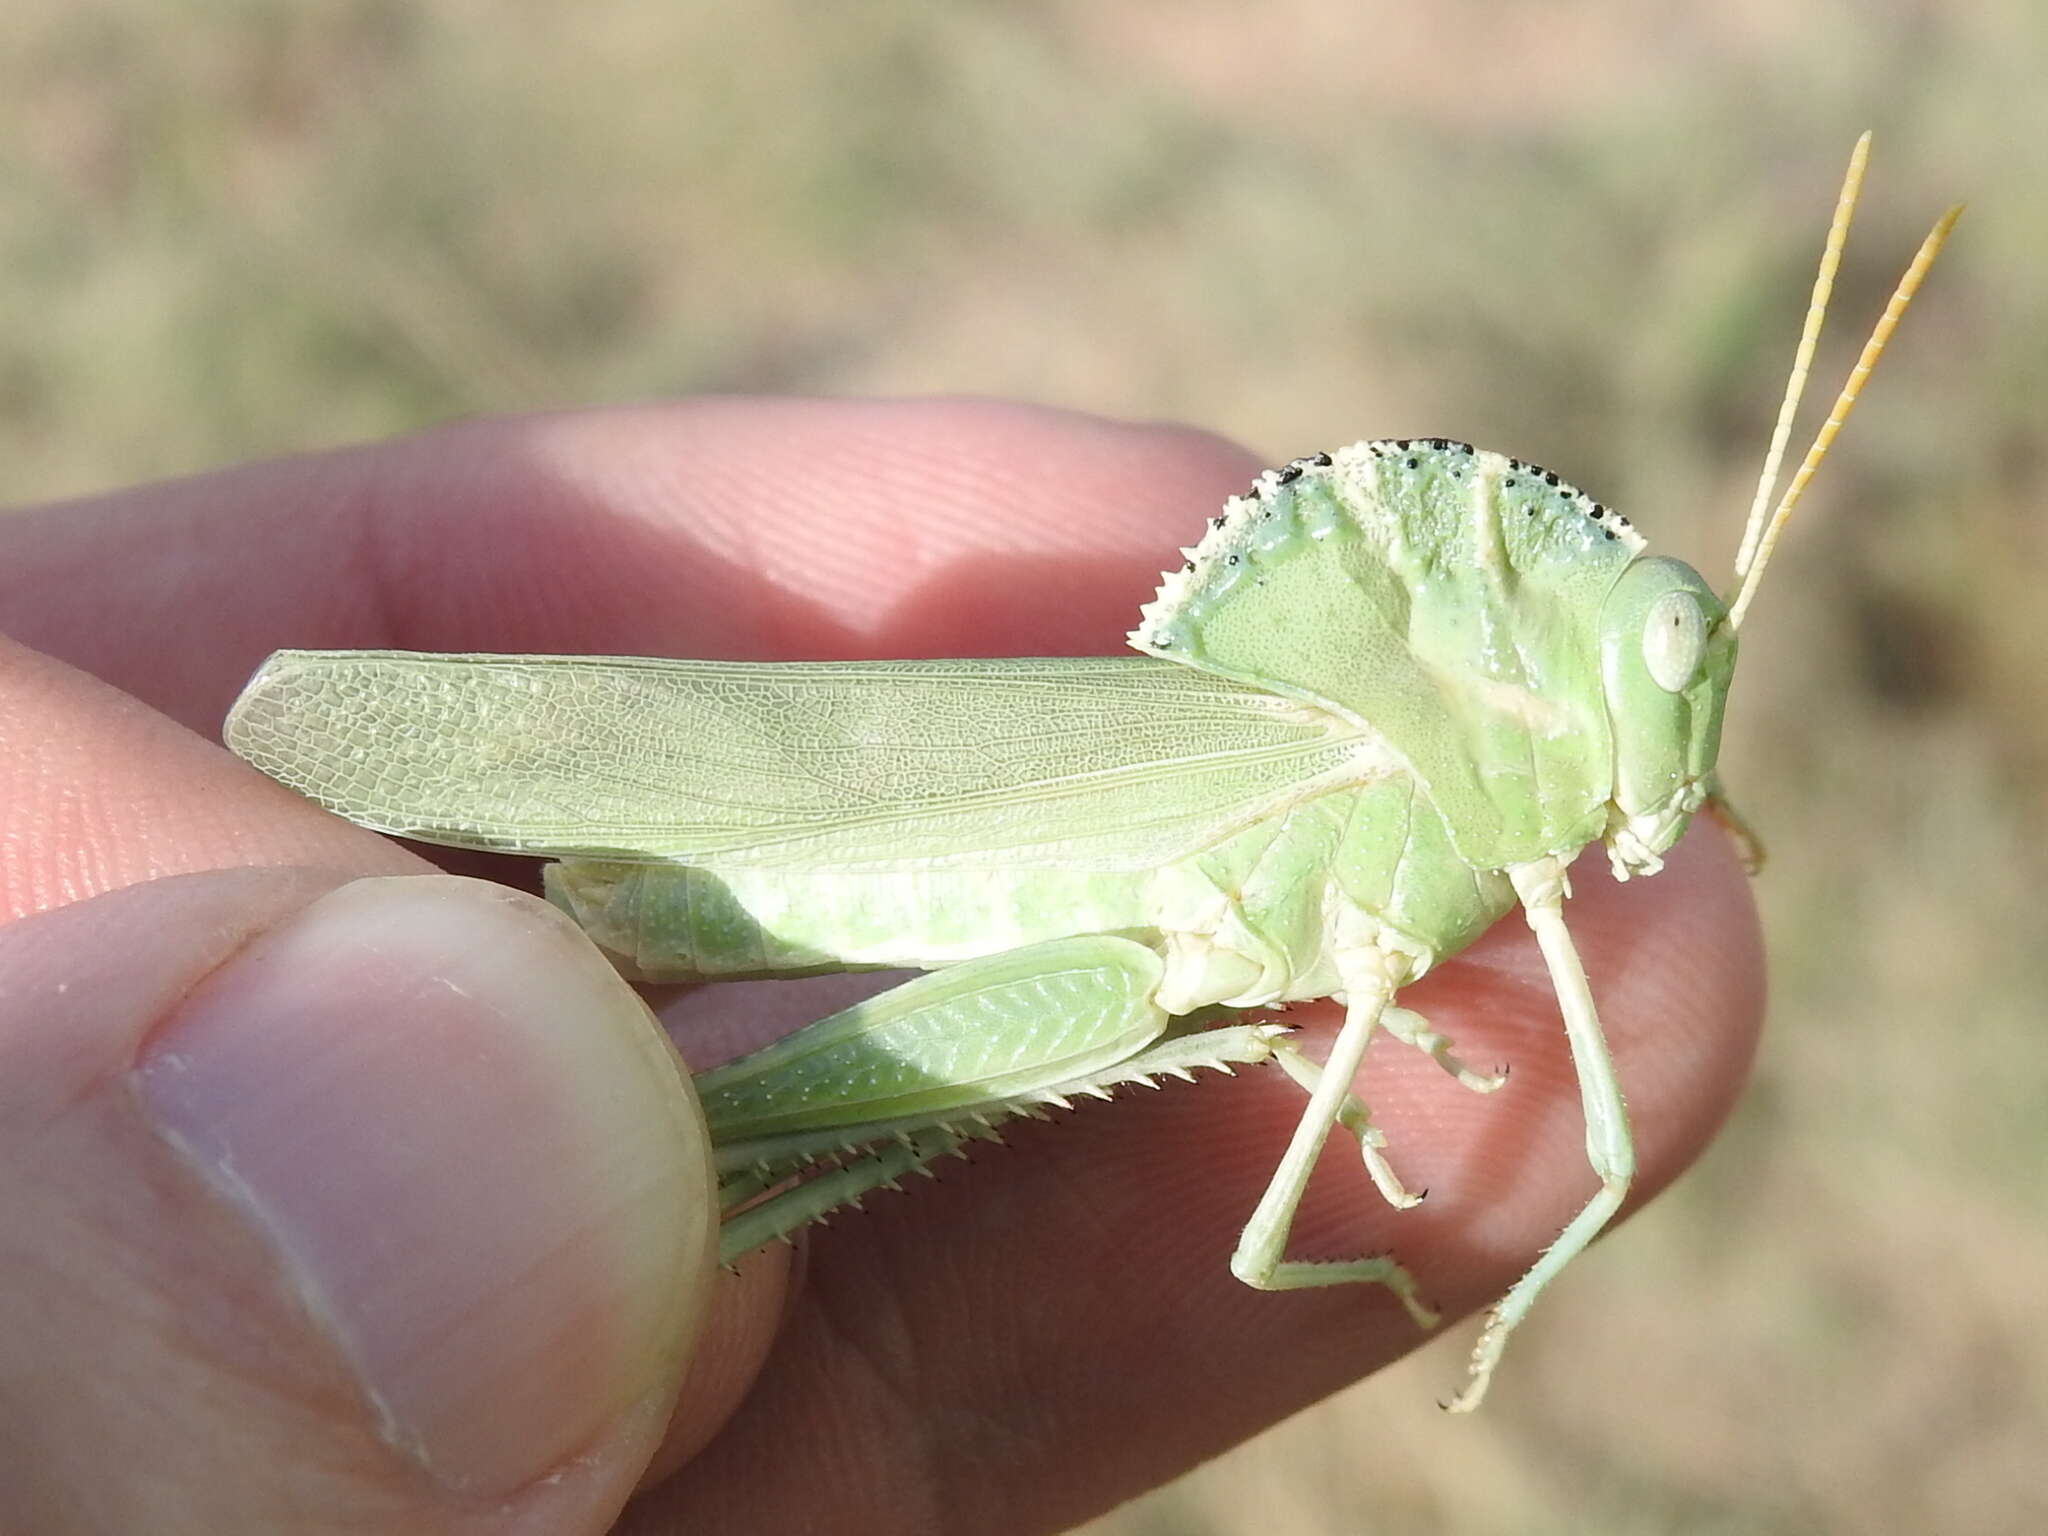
x=369, y=1205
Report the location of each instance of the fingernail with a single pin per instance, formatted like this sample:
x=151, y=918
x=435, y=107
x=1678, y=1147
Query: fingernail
x=476, y=1157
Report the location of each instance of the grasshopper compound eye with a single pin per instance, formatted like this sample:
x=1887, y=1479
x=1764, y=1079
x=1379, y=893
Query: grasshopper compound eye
x=1674, y=639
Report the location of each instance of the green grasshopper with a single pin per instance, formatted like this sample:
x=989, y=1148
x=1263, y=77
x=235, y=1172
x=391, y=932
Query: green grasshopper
x=1392, y=693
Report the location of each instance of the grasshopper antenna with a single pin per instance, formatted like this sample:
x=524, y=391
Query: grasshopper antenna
x=1760, y=537
x=1809, y=338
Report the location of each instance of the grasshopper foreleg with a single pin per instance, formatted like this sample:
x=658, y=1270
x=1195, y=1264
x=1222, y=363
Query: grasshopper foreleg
x=1609, y=1147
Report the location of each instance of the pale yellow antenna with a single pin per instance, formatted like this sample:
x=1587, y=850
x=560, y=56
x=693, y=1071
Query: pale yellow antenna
x=1761, y=537
x=1802, y=360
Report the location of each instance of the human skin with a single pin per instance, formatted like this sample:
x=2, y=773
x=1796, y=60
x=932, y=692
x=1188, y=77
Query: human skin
x=333, y=1198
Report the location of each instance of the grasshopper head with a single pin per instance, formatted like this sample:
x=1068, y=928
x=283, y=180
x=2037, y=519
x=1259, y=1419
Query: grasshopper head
x=1667, y=651
x=1667, y=643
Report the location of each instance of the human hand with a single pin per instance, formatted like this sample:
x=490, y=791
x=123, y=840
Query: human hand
x=332, y=1199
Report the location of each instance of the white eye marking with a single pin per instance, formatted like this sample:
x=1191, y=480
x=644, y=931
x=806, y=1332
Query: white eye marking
x=1674, y=638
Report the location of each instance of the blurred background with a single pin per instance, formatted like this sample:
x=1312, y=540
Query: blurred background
x=1580, y=231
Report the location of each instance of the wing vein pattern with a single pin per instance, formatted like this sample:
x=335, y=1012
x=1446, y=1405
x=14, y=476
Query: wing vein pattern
x=1080, y=762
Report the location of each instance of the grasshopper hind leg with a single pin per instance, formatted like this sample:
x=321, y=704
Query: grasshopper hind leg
x=817, y=1197
x=776, y=1188
x=850, y=1103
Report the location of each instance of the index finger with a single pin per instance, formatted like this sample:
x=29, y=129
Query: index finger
x=742, y=529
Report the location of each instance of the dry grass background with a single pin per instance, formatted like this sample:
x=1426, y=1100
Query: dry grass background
x=1580, y=231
